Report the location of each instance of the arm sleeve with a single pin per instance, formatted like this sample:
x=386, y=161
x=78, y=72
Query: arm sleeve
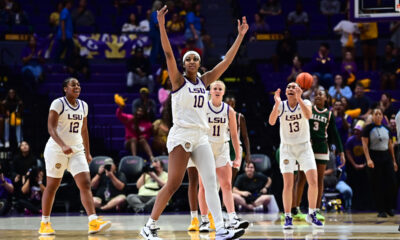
x=123, y=117
x=332, y=91
x=332, y=131
x=347, y=92
x=63, y=15
x=57, y=106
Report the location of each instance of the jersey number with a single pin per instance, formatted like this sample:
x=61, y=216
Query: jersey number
x=216, y=131
x=198, y=101
x=316, y=126
x=294, y=127
x=73, y=127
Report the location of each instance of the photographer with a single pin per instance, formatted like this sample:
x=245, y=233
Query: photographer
x=32, y=191
x=149, y=184
x=108, y=187
x=6, y=189
x=250, y=191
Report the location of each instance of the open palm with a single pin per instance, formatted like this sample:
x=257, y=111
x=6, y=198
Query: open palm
x=243, y=27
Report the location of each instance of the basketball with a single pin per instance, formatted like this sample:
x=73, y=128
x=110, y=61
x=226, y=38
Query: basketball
x=305, y=80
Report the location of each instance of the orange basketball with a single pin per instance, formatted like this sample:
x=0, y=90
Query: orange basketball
x=305, y=80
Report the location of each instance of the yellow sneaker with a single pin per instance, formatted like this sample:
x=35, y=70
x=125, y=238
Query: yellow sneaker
x=46, y=229
x=194, y=225
x=212, y=224
x=98, y=225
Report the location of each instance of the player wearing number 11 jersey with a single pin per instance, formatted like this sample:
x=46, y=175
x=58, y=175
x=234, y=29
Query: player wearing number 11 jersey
x=294, y=114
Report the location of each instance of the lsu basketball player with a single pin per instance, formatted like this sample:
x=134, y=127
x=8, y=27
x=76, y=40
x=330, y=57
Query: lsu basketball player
x=188, y=136
x=294, y=114
x=68, y=149
x=222, y=122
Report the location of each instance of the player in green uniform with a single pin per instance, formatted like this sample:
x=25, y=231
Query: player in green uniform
x=322, y=130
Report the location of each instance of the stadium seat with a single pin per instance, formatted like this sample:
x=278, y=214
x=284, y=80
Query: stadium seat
x=261, y=161
x=164, y=160
x=132, y=167
x=96, y=163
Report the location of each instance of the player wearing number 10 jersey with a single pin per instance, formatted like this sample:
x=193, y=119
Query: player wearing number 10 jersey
x=294, y=114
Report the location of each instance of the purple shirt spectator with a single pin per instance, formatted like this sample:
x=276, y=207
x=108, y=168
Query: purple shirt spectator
x=322, y=63
x=339, y=125
x=354, y=145
x=3, y=192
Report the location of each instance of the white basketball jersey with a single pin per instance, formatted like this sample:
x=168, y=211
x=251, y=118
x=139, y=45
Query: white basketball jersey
x=218, y=121
x=189, y=104
x=70, y=120
x=294, y=127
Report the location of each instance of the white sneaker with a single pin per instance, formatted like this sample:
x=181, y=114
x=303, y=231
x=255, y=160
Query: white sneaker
x=150, y=233
x=204, y=227
x=1, y=144
x=7, y=144
x=224, y=234
x=239, y=223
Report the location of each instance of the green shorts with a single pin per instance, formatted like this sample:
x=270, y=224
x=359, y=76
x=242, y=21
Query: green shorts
x=321, y=151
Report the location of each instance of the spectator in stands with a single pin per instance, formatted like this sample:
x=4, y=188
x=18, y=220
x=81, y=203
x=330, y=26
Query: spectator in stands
x=137, y=130
x=4, y=14
x=251, y=191
x=13, y=106
x=343, y=121
x=356, y=169
x=18, y=16
x=149, y=184
x=359, y=100
x=315, y=87
x=6, y=190
x=144, y=25
x=334, y=178
x=298, y=16
x=349, y=69
x=378, y=149
x=190, y=45
x=65, y=32
x=139, y=70
x=54, y=19
x=131, y=25
x=32, y=191
x=148, y=104
x=33, y=59
x=385, y=104
x=259, y=26
x=271, y=8
x=330, y=7
x=175, y=25
x=296, y=69
x=395, y=31
x=164, y=93
x=369, y=43
x=22, y=162
x=285, y=51
x=349, y=35
x=339, y=90
x=108, y=187
x=389, y=65
x=83, y=17
x=9, y=4
x=78, y=65
x=323, y=65
x=160, y=132
x=193, y=26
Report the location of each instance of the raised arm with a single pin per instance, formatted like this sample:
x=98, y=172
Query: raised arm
x=218, y=70
x=173, y=72
x=275, y=111
x=306, y=109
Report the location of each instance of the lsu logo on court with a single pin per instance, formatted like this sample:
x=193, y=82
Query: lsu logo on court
x=75, y=117
x=217, y=120
x=293, y=117
x=197, y=90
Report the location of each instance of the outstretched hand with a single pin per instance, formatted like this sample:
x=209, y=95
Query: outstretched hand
x=161, y=15
x=242, y=27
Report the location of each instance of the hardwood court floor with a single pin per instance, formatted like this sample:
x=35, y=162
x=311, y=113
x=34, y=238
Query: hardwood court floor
x=264, y=226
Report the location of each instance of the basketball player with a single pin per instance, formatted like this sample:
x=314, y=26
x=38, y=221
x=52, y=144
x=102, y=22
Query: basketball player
x=188, y=136
x=68, y=149
x=242, y=130
x=323, y=126
x=294, y=114
x=221, y=118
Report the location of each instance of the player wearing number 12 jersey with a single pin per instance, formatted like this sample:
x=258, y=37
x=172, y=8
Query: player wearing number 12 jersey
x=294, y=114
x=68, y=149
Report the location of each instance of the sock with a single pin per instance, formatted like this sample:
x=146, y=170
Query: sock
x=204, y=218
x=232, y=217
x=92, y=217
x=311, y=210
x=298, y=210
x=45, y=219
x=150, y=222
x=288, y=214
x=193, y=214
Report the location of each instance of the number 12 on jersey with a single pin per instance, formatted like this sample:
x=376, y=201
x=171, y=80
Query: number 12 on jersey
x=73, y=127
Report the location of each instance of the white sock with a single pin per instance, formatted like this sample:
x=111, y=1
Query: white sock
x=232, y=217
x=311, y=210
x=193, y=214
x=45, y=219
x=289, y=214
x=204, y=218
x=150, y=222
x=92, y=217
